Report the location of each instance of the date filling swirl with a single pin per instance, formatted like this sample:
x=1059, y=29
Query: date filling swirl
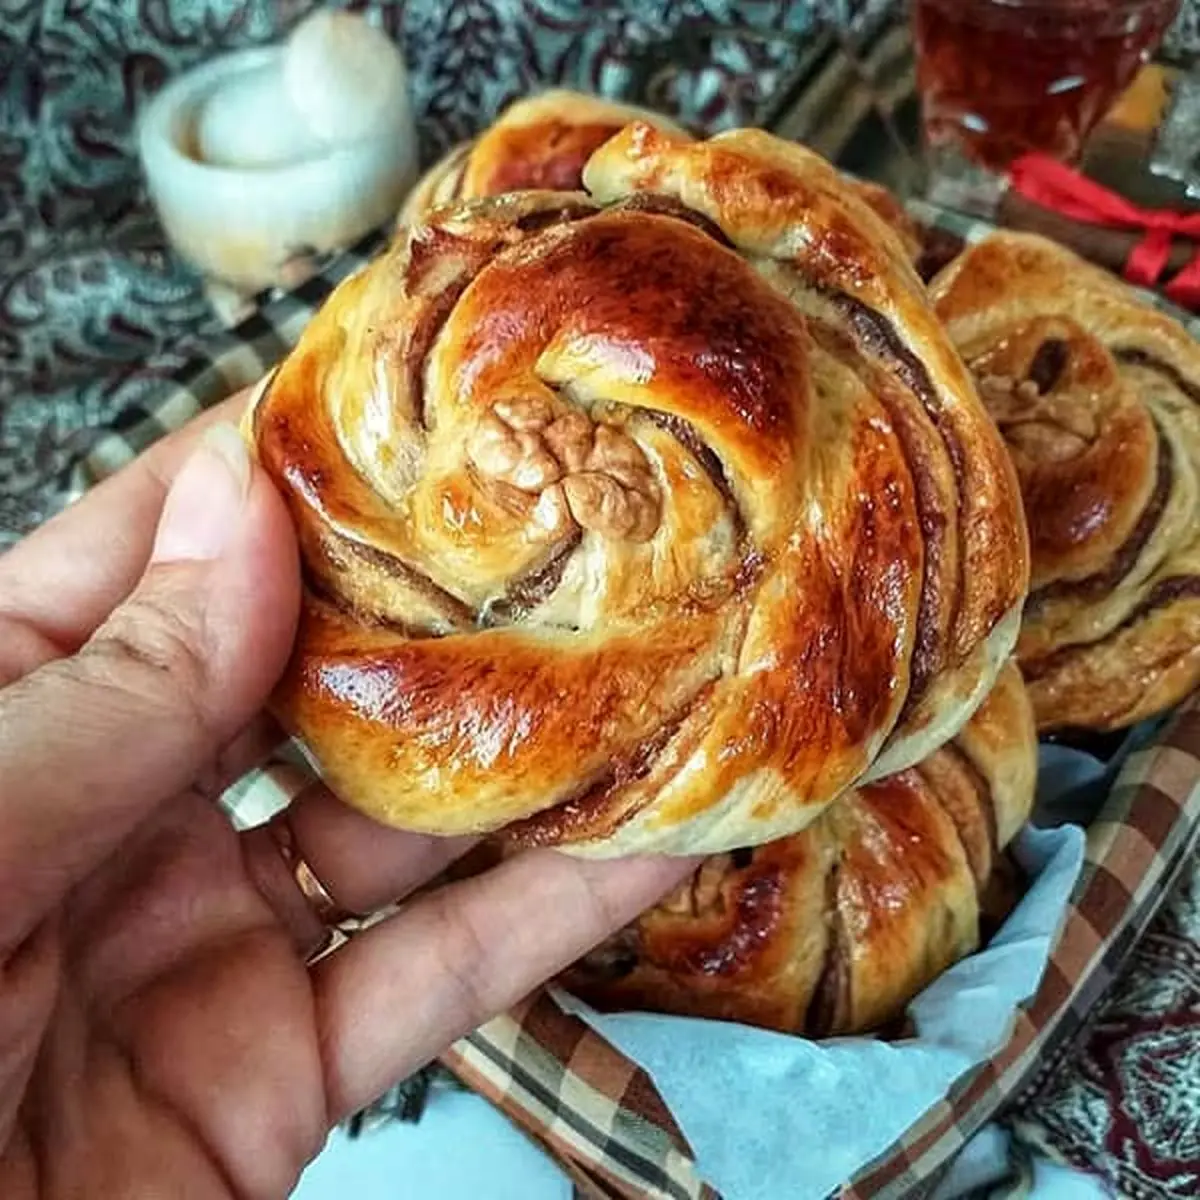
x=648, y=519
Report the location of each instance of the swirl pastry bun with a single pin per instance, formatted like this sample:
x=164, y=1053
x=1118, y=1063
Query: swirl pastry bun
x=1098, y=397
x=543, y=143
x=834, y=930
x=646, y=520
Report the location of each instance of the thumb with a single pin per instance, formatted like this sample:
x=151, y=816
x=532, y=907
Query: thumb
x=90, y=744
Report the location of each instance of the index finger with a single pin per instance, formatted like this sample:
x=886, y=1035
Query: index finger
x=59, y=583
x=398, y=994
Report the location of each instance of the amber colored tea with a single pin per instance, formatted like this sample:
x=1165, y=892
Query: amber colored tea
x=1005, y=77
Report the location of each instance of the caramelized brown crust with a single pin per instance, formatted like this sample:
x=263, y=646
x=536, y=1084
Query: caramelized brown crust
x=540, y=143
x=1098, y=397
x=606, y=544
x=893, y=214
x=834, y=930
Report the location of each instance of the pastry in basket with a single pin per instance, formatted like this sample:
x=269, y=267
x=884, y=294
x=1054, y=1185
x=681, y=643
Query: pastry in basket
x=643, y=520
x=1097, y=394
x=544, y=142
x=834, y=930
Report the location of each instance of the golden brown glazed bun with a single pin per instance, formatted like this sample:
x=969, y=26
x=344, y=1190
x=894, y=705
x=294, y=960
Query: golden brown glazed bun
x=836, y=929
x=649, y=521
x=1098, y=396
x=543, y=143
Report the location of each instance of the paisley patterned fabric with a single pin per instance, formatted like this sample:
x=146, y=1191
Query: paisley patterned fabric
x=1126, y=1105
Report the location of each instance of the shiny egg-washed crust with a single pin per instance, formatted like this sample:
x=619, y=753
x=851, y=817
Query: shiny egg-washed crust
x=644, y=521
x=543, y=143
x=1097, y=394
x=834, y=930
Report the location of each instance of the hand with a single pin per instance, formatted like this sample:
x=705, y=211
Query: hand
x=160, y=1034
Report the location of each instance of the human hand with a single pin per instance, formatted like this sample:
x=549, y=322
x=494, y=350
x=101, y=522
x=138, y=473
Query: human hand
x=160, y=1033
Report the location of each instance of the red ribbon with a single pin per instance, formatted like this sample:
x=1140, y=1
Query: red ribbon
x=1052, y=185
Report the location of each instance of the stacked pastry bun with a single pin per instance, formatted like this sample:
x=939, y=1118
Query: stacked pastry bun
x=833, y=930
x=1095, y=391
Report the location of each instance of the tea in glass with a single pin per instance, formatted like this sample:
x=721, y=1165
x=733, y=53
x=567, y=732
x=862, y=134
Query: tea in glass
x=1001, y=78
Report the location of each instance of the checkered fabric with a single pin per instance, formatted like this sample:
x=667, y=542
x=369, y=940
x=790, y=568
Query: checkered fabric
x=234, y=359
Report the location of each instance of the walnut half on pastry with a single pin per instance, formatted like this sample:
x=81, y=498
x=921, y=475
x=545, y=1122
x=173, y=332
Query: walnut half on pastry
x=1097, y=395
x=834, y=930
x=644, y=520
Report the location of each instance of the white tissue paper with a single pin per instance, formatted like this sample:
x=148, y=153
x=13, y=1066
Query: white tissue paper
x=771, y=1115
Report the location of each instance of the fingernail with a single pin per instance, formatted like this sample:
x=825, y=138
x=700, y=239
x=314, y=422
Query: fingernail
x=205, y=501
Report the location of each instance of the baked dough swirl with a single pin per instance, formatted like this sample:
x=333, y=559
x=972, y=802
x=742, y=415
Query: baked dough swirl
x=834, y=930
x=1098, y=397
x=648, y=520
